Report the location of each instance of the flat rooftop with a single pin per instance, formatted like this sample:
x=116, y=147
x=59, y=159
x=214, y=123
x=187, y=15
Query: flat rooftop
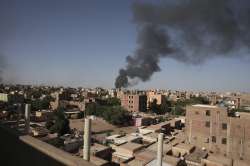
x=219, y=159
x=184, y=146
x=164, y=163
x=146, y=156
x=98, y=148
x=241, y=163
x=205, y=106
x=131, y=146
x=196, y=156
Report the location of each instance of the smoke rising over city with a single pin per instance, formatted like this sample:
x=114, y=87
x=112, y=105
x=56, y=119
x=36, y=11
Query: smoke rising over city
x=191, y=31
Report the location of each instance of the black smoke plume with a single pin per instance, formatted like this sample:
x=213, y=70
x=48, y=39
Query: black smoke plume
x=189, y=31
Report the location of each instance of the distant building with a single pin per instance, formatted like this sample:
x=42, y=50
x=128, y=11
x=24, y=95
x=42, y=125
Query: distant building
x=61, y=102
x=233, y=103
x=134, y=102
x=151, y=96
x=213, y=99
x=3, y=97
x=43, y=115
x=211, y=127
x=245, y=100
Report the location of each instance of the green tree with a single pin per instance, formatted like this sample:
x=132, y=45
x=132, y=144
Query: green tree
x=115, y=115
x=91, y=109
x=60, y=124
x=57, y=142
x=158, y=109
x=41, y=104
x=113, y=101
x=49, y=124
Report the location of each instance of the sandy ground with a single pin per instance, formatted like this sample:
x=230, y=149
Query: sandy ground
x=100, y=126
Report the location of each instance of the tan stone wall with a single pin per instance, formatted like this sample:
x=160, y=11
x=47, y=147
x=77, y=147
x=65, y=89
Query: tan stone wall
x=236, y=134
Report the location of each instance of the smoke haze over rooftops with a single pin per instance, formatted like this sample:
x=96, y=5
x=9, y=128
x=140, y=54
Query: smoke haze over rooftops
x=190, y=31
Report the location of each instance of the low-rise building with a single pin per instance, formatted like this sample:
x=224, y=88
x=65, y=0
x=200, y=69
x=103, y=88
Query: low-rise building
x=125, y=152
x=215, y=160
x=182, y=149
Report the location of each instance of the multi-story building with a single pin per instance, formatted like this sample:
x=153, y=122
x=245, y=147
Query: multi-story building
x=232, y=103
x=212, y=128
x=245, y=100
x=134, y=102
x=151, y=96
x=212, y=98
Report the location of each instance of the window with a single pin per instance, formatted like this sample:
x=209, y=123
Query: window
x=224, y=141
x=196, y=112
x=207, y=112
x=224, y=126
x=207, y=124
x=213, y=139
x=206, y=140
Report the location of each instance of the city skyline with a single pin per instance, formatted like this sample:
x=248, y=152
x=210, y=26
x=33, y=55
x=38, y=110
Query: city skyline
x=85, y=43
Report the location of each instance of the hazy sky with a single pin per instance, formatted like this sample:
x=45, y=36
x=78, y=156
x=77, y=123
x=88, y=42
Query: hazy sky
x=85, y=42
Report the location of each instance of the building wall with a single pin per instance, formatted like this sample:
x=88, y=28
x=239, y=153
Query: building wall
x=3, y=97
x=134, y=103
x=159, y=97
x=245, y=100
x=26, y=150
x=217, y=132
x=15, y=152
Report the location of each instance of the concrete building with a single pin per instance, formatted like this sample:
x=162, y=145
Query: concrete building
x=125, y=152
x=182, y=149
x=245, y=100
x=67, y=102
x=211, y=127
x=232, y=103
x=143, y=121
x=39, y=131
x=4, y=97
x=99, y=151
x=152, y=95
x=212, y=98
x=43, y=115
x=215, y=160
x=134, y=102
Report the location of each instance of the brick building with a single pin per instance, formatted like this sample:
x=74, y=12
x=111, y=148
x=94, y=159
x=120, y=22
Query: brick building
x=212, y=128
x=134, y=102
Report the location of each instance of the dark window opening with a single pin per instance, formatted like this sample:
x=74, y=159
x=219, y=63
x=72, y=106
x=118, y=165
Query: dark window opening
x=207, y=124
x=213, y=139
x=224, y=141
x=207, y=112
x=224, y=126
